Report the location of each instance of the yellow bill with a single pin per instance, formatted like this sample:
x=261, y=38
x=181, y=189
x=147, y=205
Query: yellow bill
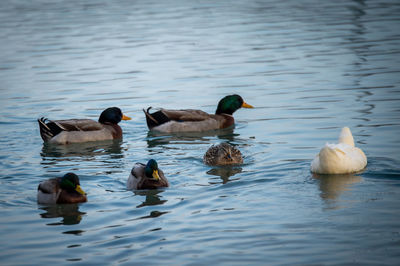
x=80, y=190
x=155, y=175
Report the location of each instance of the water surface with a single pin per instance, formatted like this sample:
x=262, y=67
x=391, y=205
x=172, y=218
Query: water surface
x=308, y=67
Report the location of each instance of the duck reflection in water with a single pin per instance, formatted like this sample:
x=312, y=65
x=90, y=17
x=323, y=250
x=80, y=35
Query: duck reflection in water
x=85, y=150
x=69, y=212
x=152, y=198
x=332, y=186
x=155, y=138
x=224, y=173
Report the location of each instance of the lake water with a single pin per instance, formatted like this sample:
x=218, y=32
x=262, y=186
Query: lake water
x=308, y=67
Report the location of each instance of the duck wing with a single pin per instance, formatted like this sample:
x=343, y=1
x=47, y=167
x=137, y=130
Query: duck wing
x=49, y=186
x=78, y=124
x=186, y=115
x=163, y=116
x=138, y=170
x=50, y=128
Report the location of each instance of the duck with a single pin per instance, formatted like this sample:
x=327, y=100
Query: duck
x=189, y=120
x=340, y=158
x=83, y=130
x=146, y=176
x=58, y=190
x=222, y=154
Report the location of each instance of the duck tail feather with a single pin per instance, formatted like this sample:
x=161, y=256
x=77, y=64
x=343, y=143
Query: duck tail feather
x=156, y=118
x=49, y=129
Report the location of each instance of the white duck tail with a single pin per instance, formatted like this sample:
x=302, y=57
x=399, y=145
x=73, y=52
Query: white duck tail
x=346, y=137
x=341, y=158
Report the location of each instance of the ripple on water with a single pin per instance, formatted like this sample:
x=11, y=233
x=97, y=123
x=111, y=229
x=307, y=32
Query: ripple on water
x=308, y=68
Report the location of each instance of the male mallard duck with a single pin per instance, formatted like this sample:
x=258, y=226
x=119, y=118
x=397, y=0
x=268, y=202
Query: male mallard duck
x=147, y=176
x=189, y=120
x=64, y=189
x=83, y=130
x=340, y=158
x=222, y=154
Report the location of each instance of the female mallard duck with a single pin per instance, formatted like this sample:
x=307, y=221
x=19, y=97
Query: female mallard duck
x=64, y=189
x=169, y=121
x=222, y=154
x=147, y=176
x=341, y=158
x=83, y=130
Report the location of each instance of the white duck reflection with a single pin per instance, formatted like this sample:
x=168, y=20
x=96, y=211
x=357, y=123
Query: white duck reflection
x=332, y=186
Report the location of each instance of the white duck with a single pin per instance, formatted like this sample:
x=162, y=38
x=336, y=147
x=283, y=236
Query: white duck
x=341, y=158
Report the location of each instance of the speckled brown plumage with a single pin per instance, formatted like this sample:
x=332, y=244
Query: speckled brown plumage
x=222, y=154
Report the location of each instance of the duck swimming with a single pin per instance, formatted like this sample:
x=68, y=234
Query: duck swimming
x=64, y=189
x=222, y=154
x=146, y=176
x=341, y=158
x=83, y=130
x=189, y=120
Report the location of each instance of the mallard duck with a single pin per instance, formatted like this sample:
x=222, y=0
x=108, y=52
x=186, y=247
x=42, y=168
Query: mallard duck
x=222, y=154
x=169, y=121
x=83, y=130
x=341, y=158
x=146, y=176
x=64, y=189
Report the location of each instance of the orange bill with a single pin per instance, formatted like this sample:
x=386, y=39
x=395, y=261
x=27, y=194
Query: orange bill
x=246, y=105
x=124, y=117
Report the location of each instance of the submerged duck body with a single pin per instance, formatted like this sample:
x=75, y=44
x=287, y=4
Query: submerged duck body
x=64, y=189
x=341, y=158
x=83, y=130
x=190, y=120
x=146, y=176
x=222, y=154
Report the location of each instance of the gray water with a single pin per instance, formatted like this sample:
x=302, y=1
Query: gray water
x=309, y=68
